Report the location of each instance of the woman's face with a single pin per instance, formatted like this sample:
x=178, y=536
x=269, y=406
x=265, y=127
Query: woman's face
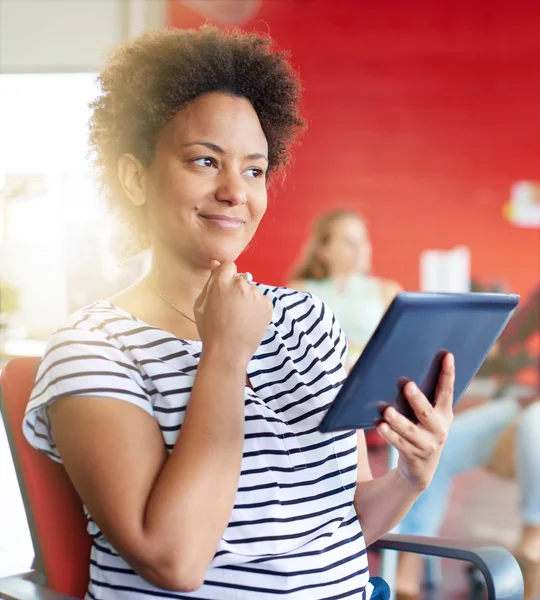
x=348, y=250
x=205, y=192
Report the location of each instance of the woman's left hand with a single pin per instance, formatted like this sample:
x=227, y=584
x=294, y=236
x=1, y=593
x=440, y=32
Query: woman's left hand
x=420, y=445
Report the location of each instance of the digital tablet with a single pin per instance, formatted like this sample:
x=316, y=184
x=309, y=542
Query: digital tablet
x=409, y=344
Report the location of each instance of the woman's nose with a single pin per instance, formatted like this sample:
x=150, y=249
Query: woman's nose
x=231, y=189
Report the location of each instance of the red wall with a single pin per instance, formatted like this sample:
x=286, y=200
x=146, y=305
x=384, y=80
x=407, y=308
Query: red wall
x=421, y=115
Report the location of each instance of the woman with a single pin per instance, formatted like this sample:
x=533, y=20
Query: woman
x=186, y=408
x=337, y=269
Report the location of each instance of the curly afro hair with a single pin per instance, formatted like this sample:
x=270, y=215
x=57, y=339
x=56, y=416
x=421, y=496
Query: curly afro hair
x=149, y=79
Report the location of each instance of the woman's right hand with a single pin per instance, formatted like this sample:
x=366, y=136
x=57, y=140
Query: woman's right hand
x=231, y=314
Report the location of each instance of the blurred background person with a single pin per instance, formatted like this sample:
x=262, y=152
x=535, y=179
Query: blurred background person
x=502, y=435
x=337, y=269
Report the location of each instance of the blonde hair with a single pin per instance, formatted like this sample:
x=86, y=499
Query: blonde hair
x=311, y=265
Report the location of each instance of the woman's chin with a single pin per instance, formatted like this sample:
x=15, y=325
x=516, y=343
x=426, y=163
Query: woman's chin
x=222, y=254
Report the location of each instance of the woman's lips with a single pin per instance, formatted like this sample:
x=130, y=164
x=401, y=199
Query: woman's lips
x=223, y=222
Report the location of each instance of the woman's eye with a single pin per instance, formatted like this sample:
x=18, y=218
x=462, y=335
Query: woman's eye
x=255, y=172
x=205, y=161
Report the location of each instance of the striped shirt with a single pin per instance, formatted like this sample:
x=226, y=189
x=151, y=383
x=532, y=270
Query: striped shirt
x=293, y=531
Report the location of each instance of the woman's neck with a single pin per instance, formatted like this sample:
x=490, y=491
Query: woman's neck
x=178, y=281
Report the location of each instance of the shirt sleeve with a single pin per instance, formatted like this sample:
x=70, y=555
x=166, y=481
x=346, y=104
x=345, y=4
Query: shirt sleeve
x=328, y=339
x=330, y=325
x=80, y=362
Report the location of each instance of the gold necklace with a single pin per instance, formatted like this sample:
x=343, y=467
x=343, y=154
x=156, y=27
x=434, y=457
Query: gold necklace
x=176, y=309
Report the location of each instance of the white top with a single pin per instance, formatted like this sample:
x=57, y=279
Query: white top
x=293, y=530
x=359, y=306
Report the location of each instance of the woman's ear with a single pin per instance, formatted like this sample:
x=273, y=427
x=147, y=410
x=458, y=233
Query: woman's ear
x=131, y=176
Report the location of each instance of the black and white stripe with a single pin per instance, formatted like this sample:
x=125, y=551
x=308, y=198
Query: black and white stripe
x=293, y=531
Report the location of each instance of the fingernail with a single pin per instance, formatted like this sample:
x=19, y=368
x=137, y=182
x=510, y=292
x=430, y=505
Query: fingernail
x=451, y=361
x=411, y=388
x=390, y=413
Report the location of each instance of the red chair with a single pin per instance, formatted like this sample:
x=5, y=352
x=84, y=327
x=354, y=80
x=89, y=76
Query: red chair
x=53, y=509
x=58, y=524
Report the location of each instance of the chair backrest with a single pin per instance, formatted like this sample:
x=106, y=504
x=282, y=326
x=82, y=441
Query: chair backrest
x=54, y=510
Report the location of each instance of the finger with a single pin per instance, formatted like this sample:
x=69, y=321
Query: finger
x=444, y=396
x=423, y=409
x=215, y=267
x=405, y=428
x=226, y=271
x=239, y=279
x=381, y=407
x=394, y=439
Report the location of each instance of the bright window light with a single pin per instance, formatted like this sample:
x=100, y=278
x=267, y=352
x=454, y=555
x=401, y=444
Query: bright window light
x=43, y=122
